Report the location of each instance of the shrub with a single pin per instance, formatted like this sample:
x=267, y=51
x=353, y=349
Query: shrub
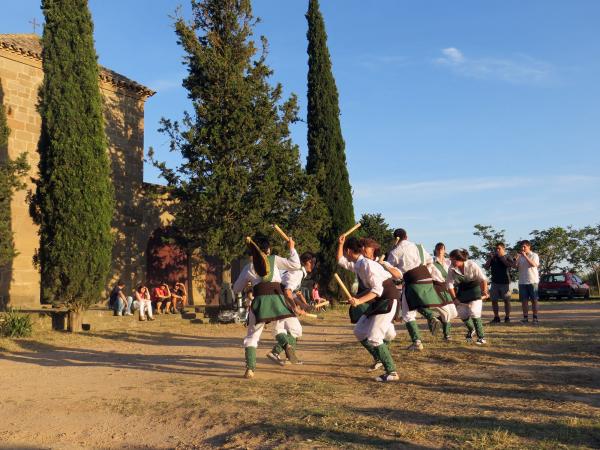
x=15, y=324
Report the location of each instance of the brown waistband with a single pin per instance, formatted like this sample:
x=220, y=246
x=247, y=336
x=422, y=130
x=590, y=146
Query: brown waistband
x=390, y=290
x=418, y=275
x=267, y=289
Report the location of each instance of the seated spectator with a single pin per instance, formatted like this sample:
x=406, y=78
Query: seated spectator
x=161, y=297
x=142, y=297
x=316, y=297
x=178, y=297
x=120, y=304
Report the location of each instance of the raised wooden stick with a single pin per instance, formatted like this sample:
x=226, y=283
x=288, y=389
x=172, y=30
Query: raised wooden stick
x=320, y=305
x=281, y=232
x=342, y=285
x=352, y=230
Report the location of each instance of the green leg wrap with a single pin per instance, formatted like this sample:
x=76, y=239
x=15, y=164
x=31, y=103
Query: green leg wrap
x=427, y=313
x=366, y=344
x=469, y=323
x=413, y=330
x=251, y=358
x=388, y=343
x=277, y=349
x=479, y=328
x=446, y=328
x=384, y=355
x=282, y=340
x=292, y=340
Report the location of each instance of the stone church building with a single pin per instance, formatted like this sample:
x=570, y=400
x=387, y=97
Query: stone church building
x=141, y=219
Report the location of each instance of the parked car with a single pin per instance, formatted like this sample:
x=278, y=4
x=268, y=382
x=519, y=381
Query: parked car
x=563, y=284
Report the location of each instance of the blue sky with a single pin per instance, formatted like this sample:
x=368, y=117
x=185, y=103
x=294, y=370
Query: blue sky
x=454, y=113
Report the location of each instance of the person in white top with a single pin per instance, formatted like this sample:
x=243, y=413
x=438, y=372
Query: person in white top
x=291, y=281
x=371, y=249
x=411, y=262
x=528, y=262
x=439, y=272
x=382, y=296
x=269, y=304
x=468, y=287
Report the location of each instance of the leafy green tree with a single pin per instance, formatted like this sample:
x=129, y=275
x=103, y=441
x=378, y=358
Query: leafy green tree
x=11, y=179
x=74, y=200
x=375, y=227
x=555, y=246
x=585, y=257
x=490, y=237
x=241, y=172
x=326, y=147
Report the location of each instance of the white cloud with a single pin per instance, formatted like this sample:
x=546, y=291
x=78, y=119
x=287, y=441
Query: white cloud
x=520, y=69
x=451, y=187
x=452, y=56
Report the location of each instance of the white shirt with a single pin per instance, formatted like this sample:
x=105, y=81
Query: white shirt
x=371, y=273
x=248, y=274
x=292, y=279
x=405, y=256
x=527, y=273
x=471, y=272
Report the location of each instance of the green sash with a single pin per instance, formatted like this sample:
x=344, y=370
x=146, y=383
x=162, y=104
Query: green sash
x=269, y=304
x=467, y=291
x=441, y=268
x=419, y=292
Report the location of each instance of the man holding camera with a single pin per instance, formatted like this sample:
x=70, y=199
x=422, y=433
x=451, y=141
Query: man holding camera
x=499, y=263
x=528, y=262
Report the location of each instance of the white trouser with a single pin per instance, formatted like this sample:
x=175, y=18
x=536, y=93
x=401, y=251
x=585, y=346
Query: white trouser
x=472, y=309
x=447, y=312
x=254, y=330
x=390, y=333
x=375, y=328
x=407, y=316
x=145, y=308
x=290, y=325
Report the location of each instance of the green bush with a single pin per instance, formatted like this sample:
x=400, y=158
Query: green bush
x=15, y=324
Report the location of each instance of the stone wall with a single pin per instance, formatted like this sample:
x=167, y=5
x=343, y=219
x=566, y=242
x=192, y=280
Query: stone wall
x=135, y=217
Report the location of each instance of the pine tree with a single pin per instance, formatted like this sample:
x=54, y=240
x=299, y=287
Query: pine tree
x=74, y=201
x=375, y=227
x=326, y=148
x=11, y=179
x=241, y=171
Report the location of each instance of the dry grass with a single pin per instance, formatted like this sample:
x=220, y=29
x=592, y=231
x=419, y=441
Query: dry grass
x=529, y=388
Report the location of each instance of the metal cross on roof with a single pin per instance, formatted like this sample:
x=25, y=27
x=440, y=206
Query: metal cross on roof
x=35, y=25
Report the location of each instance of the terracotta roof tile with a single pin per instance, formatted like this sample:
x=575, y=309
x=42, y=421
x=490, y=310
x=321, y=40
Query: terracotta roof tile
x=29, y=45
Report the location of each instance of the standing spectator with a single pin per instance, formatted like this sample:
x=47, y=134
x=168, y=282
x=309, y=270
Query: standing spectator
x=142, y=296
x=500, y=263
x=528, y=262
x=178, y=297
x=120, y=304
x=161, y=297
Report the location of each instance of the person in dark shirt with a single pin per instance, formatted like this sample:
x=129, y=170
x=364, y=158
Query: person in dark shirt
x=499, y=263
x=117, y=301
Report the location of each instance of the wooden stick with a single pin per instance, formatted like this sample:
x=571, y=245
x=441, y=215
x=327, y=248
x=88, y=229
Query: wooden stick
x=397, y=240
x=352, y=230
x=313, y=316
x=342, y=285
x=323, y=303
x=281, y=232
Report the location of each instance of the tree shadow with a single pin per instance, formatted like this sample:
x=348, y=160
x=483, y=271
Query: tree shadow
x=554, y=430
x=291, y=433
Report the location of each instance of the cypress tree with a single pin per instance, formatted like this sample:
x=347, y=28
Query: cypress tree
x=11, y=175
x=241, y=171
x=74, y=201
x=326, y=148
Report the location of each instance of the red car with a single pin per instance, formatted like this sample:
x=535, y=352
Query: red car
x=563, y=284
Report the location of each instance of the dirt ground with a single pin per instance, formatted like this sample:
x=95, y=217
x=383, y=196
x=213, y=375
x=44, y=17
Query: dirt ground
x=181, y=387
